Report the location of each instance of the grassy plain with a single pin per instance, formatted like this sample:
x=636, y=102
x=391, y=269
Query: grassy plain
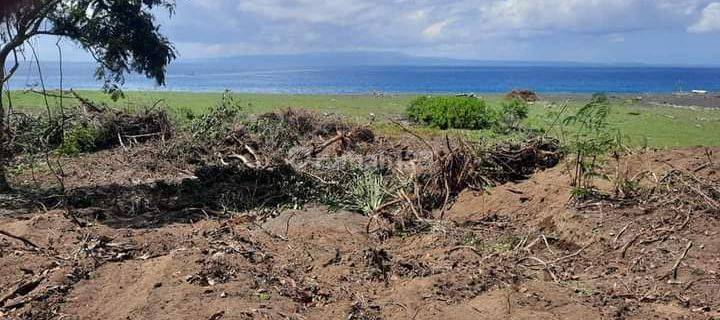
x=642, y=124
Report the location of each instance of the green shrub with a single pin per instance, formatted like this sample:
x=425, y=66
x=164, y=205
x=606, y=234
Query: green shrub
x=512, y=113
x=592, y=139
x=452, y=112
x=217, y=121
x=80, y=138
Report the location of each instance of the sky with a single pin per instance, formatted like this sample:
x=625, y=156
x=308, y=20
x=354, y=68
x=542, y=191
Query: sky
x=667, y=32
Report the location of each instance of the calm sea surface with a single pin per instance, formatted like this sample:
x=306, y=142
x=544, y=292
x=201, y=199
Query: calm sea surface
x=392, y=79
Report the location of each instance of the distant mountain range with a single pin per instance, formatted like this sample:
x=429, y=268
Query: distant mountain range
x=337, y=59
x=365, y=59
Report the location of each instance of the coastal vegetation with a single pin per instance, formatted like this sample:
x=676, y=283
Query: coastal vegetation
x=642, y=124
x=178, y=205
x=228, y=189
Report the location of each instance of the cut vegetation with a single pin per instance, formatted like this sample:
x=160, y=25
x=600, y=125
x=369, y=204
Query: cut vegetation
x=242, y=212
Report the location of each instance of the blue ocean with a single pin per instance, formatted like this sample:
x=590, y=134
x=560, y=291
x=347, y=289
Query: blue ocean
x=208, y=76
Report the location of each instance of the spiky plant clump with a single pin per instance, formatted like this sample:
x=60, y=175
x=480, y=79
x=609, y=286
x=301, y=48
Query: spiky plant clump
x=368, y=193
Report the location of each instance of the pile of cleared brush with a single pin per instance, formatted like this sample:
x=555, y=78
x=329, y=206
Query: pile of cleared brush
x=522, y=94
x=86, y=129
x=431, y=188
x=120, y=128
x=294, y=157
x=286, y=137
x=687, y=192
x=308, y=157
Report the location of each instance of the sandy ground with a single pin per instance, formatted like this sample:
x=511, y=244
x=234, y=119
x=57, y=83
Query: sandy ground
x=519, y=251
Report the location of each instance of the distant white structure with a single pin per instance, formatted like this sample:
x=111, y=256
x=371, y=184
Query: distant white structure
x=699, y=92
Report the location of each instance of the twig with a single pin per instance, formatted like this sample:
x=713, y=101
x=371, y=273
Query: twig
x=708, y=200
x=675, y=267
x=147, y=135
x=122, y=144
x=447, y=192
x=574, y=254
x=435, y=155
x=628, y=244
x=21, y=289
x=410, y=203
x=266, y=231
x=252, y=152
x=529, y=247
x=21, y=239
x=244, y=159
x=617, y=237
x=315, y=151
x=547, y=245
x=388, y=204
x=86, y=103
x=287, y=226
x=700, y=168
x=546, y=265
x=473, y=249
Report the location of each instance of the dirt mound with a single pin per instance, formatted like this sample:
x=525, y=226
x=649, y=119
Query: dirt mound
x=523, y=95
x=166, y=242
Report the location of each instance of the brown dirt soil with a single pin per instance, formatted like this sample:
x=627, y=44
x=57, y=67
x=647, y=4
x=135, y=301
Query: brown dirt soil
x=522, y=250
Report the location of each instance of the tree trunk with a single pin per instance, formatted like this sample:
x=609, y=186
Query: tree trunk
x=5, y=153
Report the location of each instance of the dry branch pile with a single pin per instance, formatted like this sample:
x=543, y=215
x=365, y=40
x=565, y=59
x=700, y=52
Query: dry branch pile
x=687, y=192
x=299, y=157
x=116, y=127
x=293, y=157
x=101, y=128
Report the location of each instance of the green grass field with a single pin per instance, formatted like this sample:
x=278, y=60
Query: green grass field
x=662, y=127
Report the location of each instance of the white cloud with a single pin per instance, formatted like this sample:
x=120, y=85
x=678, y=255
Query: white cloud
x=312, y=11
x=447, y=27
x=709, y=20
x=417, y=15
x=582, y=16
x=436, y=29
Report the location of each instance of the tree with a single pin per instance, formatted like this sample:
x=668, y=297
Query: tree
x=122, y=36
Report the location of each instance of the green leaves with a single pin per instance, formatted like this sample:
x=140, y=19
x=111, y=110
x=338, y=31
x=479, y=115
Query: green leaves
x=447, y=112
x=592, y=139
x=452, y=112
x=122, y=35
x=212, y=125
x=368, y=192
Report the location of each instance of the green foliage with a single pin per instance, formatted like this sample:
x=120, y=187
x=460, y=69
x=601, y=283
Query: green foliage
x=656, y=127
x=512, y=113
x=447, y=112
x=368, y=192
x=591, y=140
x=217, y=121
x=273, y=133
x=80, y=138
x=123, y=35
